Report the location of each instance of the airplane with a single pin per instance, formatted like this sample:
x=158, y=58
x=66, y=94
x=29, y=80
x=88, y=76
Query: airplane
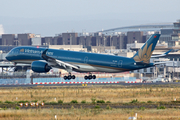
x=43, y=59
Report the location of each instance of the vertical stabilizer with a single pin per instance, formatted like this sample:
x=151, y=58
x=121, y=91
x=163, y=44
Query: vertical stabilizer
x=144, y=54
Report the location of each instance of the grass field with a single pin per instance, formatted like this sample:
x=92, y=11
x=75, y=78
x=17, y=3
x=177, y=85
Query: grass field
x=114, y=94
x=90, y=114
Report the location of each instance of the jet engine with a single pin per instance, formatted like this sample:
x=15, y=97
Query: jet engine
x=40, y=67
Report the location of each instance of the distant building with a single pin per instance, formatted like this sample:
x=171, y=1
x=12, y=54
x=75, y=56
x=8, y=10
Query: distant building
x=121, y=41
x=175, y=42
x=48, y=41
x=98, y=34
x=88, y=41
x=175, y=36
x=8, y=39
x=118, y=41
x=58, y=40
x=96, y=41
x=165, y=35
x=135, y=36
x=24, y=39
x=112, y=41
x=177, y=24
x=69, y=38
x=81, y=40
x=36, y=40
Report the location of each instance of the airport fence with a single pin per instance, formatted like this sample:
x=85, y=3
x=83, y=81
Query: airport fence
x=18, y=81
x=15, y=81
x=81, y=79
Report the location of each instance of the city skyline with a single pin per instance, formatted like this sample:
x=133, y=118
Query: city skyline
x=48, y=18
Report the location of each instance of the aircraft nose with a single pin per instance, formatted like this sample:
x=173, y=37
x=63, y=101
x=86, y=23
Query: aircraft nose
x=7, y=57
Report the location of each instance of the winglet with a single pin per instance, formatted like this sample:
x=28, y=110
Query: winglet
x=168, y=51
x=144, y=54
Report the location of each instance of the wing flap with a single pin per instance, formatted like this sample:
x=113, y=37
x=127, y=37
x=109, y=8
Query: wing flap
x=61, y=63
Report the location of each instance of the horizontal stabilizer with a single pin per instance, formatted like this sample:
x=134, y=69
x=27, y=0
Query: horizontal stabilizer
x=158, y=63
x=164, y=54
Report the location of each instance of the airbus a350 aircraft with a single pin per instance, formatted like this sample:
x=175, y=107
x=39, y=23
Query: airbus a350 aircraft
x=42, y=59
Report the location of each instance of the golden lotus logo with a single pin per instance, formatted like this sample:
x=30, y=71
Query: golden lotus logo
x=144, y=55
x=22, y=50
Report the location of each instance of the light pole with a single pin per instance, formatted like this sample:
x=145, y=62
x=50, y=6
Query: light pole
x=17, y=42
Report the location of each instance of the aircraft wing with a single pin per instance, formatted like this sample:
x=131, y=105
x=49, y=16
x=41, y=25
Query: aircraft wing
x=67, y=66
x=164, y=54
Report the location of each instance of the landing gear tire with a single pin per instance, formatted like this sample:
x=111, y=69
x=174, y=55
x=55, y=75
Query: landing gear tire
x=86, y=77
x=90, y=77
x=69, y=77
x=94, y=77
x=73, y=76
x=65, y=77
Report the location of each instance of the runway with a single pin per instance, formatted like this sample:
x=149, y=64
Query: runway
x=88, y=84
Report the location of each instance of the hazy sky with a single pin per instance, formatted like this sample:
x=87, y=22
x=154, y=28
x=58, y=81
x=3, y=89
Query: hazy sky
x=50, y=17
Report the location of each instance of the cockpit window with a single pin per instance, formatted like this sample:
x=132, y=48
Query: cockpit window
x=11, y=52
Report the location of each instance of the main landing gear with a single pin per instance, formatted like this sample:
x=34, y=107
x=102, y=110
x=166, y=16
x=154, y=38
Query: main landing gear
x=90, y=77
x=69, y=77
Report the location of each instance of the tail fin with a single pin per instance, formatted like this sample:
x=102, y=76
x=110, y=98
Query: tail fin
x=144, y=54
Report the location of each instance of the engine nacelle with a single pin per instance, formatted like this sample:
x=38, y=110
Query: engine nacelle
x=40, y=67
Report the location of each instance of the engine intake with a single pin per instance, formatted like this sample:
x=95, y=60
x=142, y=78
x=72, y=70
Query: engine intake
x=40, y=67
